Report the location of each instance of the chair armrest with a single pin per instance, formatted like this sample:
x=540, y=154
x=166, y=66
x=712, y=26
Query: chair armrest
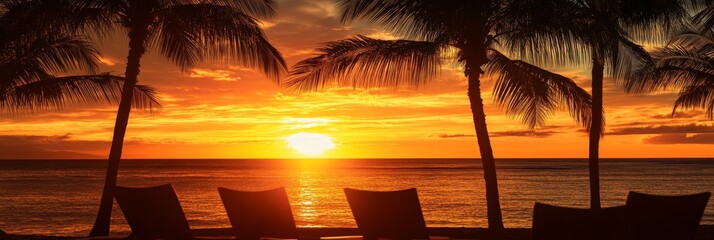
x=214, y=238
x=116, y=237
x=438, y=238
x=355, y=237
x=308, y=238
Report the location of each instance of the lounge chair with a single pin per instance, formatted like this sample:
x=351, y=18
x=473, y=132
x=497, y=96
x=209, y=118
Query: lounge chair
x=655, y=217
x=564, y=223
x=263, y=214
x=154, y=213
x=390, y=215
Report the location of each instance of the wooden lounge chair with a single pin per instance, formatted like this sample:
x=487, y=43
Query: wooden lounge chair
x=656, y=217
x=564, y=223
x=154, y=213
x=388, y=215
x=262, y=214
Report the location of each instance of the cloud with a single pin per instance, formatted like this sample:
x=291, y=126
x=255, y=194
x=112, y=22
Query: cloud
x=215, y=74
x=536, y=134
x=459, y=135
x=264, y=24
x=384, y=35
x=525, y=133
x=32, y=152
x=663, y=129
x=107, y=61
x=681, y=138
x=690, y=114
x=302, y=123
x=46, y=147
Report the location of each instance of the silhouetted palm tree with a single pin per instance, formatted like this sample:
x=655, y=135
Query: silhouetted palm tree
x=465, y=32
x=30, y=58
x=184, y=31
x=686, y=64
x=600, y=33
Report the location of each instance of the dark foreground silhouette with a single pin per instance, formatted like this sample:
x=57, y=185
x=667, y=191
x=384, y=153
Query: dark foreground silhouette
x=155, y=213
x=705, y=232
x=644, y=216
x=259, y=214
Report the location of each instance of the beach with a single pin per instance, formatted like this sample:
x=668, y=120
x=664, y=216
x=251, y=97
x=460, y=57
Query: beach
x=60, y=197
x=706, y=232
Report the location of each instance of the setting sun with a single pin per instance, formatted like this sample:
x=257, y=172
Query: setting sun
x=310, y=143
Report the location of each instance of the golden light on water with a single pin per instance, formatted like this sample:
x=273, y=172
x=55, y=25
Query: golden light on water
x=311, y=144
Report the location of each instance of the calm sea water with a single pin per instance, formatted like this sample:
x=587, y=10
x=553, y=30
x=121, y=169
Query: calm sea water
x=60, y=197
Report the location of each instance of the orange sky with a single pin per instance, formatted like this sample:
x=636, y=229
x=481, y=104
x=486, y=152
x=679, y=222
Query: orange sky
x=225, y=111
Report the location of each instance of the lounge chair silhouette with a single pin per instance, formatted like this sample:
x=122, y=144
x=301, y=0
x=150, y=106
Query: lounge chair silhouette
x=657, y=217
x=388, y=215
x=154, y=213
x=563, y=223
x=259, y=214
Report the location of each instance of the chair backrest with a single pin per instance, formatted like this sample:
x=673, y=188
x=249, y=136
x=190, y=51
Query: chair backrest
x=611, y=223
x=564, y=223
x=561, y=223
x=153, y=212
x=656, y=217
x=259, y=214
x=392, y=215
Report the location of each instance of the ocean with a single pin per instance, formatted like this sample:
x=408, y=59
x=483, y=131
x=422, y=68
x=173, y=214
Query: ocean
x=61, y=197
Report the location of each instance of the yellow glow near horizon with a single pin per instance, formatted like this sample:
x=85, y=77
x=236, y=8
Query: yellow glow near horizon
x=311, y=144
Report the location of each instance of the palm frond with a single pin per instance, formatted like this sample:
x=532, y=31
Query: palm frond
x=687, y=60
x=421, y=20
x=43, y=17
x=695, y=6
x=685, y=64
x=557, y=37
x=568, y=30
x=705, y=19
x=653, y=20
x=694, y=96
x=365, y=62
x=146, y=98
x=59, y=92
x=629, y=56
x=261, y=9
x=29, y=61
x=191, y=32
x=532, y=94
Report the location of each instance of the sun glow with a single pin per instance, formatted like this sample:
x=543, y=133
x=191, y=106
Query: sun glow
x=311, y=144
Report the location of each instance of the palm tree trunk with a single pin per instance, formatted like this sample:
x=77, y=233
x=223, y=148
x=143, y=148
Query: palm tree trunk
x=493, y=204
x=137, y=48
x=596, y=129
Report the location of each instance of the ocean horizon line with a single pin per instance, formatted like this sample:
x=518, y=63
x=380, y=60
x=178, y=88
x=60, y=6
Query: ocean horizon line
x=343, y=158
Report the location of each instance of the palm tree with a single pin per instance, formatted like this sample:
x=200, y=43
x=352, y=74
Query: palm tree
x=185, y=32
x=464, y=31
x=600, y=33
x=30, y=58
x=686, y=63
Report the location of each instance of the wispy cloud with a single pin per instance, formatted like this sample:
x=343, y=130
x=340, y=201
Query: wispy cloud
x=688, y=128
x=689, y=114
x=39, y=147
x=218, y=75
x=107, y=61
x=681, y=138
x=457, y=135
x=536, y=134
x=495, y=134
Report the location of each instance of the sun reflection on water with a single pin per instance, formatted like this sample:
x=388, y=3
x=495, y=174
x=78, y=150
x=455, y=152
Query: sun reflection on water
x=308, y=195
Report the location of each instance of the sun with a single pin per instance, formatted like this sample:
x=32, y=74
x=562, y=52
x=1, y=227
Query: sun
x=311, y=144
